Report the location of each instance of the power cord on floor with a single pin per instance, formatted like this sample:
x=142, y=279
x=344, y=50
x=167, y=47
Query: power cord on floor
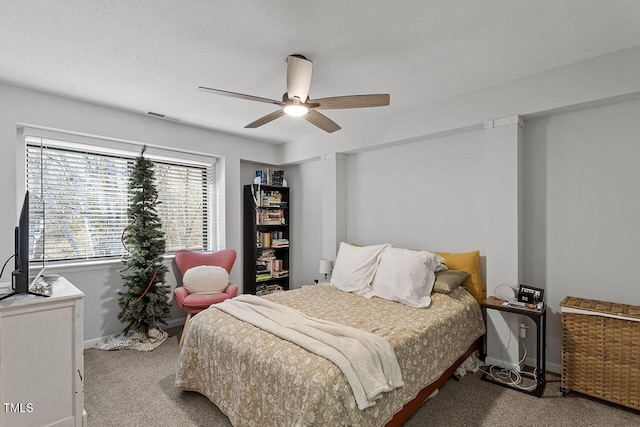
x=511, y=377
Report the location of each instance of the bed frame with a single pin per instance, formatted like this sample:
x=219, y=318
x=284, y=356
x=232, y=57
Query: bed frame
x=412, y=406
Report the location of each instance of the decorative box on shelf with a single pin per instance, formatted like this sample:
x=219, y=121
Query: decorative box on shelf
x=601, y=350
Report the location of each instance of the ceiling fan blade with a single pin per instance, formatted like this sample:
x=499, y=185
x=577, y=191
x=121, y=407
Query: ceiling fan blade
x=239, y=95
x=351, y=101
x=299, y=71
x=266, y=119
x=322, y=121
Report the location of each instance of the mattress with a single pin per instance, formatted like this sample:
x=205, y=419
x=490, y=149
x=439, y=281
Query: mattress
x=258, y=379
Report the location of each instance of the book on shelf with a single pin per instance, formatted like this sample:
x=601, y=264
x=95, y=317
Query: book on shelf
x=268, y=289
x=270, y=177
x=280, y=243
x=279, y=274
x=266, y=255
x=273, y=239
x=277, y=178
x=262, y=176
x=263, y=240
x=271, y=199
x=275, y=265
x=270, y=217
x=268, y=266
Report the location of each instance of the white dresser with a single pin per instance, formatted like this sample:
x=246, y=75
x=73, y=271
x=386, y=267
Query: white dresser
x=41, y=359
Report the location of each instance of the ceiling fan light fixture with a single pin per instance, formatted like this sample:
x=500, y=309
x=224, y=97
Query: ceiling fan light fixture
x=296, y=110
x=296, y=103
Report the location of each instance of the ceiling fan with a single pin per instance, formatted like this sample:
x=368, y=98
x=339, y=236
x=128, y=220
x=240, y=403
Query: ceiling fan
x=296, y=102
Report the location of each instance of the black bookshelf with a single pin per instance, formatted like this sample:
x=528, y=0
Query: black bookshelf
x=265, y=231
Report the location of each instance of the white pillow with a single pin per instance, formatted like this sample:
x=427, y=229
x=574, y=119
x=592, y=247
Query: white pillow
x=406, y=276
x=440, y=266
x=205, y=279
x=355, y=266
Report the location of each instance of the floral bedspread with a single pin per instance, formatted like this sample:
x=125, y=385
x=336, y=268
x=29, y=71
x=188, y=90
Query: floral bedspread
x=258, y=379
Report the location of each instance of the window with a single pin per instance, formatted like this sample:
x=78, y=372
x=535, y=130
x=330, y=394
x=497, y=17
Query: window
x=85, y=198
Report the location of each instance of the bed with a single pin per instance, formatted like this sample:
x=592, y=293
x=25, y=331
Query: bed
x=258, y=379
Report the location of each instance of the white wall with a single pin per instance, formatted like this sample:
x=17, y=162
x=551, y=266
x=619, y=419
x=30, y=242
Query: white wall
x=423, y=195
x=306, y=244
x=582, y=208
x=101, y=283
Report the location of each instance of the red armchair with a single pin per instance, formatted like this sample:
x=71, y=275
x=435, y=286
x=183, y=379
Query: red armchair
x=195, y=303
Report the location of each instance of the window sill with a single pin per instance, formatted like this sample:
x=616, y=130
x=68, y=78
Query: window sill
x=86, y=265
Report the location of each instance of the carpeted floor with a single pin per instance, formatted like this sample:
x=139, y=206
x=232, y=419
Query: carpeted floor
x=130, y=388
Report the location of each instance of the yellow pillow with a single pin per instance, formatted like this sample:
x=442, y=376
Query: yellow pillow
x=469, y=262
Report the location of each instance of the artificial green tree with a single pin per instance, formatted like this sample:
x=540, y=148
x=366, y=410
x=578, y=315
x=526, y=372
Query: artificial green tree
x=145, y=303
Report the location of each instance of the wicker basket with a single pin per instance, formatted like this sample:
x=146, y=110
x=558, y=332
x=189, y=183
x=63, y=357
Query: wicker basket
x=601, y=350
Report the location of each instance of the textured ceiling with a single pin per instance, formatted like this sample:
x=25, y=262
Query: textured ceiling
x=152, y=55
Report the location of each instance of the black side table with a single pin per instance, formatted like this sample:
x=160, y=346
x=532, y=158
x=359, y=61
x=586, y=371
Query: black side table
x=540, y=319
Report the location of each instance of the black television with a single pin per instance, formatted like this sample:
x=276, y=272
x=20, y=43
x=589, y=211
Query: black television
x=20, y=277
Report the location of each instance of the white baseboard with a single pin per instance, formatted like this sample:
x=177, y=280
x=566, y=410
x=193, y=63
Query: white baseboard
x=91, y=343
x=176, y=322
x=502, y=364
x=556, y=368
x=170, y=324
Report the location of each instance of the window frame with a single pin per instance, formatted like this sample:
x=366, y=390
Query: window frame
x=129, y=150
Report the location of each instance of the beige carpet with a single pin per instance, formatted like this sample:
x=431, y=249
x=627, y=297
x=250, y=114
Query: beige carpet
x=131, y=388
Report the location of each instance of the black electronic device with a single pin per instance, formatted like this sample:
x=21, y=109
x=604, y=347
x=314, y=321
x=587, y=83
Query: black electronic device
x=20, y=276
x=530, y=295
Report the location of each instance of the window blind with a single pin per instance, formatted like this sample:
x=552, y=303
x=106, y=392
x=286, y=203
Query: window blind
x=81, y=198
